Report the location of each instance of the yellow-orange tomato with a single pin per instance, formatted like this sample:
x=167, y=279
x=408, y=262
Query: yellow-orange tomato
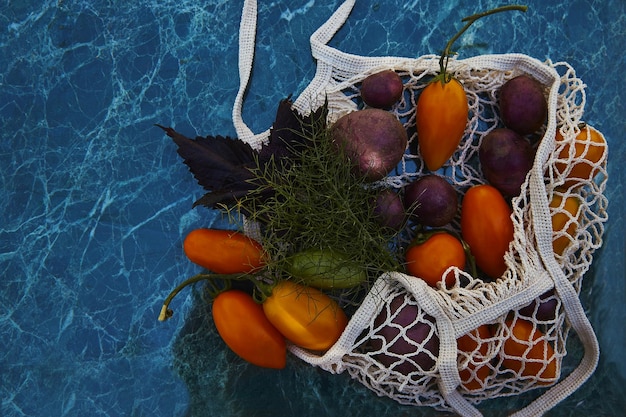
x=475, y=344
x=223, y=251
x=589, y=149
x=305, y=316
x=528, y=353
x=429, y=259
x=441, y=118
x=242, y=324
x=564, y=221
x=487, y=228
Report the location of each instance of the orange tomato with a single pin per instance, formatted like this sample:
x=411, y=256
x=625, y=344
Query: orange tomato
x=589, y=149
x=242, y=324
x=429, y=259
x=528, y=353
x=564, y=221
x=441, y=118
x=487, y=228
x=305, y=315
x=474, y=344
x=223, y=251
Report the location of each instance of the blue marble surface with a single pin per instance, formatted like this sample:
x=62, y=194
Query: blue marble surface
x=94, y=201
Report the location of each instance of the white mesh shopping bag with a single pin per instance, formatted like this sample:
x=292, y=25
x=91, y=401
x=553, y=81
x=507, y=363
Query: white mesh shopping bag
x=433, y=372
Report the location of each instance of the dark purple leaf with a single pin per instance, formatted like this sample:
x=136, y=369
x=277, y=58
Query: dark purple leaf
x=217, y=162
x=290, y=131
x=223, y=165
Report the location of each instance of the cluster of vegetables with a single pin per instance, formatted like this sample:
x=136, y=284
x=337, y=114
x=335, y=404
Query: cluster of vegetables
x=298, y=295
x=506, y=155
x=257, y=330
x=486, y=228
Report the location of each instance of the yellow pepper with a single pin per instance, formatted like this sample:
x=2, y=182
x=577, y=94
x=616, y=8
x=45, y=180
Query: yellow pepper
x=304, y=315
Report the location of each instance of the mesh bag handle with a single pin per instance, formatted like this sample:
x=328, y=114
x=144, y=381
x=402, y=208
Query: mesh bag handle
x=337, y=72
x=247, y=42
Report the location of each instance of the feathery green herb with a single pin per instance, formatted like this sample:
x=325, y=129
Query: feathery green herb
x=318, y=203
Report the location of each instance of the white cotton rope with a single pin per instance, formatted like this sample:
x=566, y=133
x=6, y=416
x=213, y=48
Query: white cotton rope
x=533, y=268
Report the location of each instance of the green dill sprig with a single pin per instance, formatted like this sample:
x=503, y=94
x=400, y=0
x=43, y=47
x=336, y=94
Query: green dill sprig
x=317, y=202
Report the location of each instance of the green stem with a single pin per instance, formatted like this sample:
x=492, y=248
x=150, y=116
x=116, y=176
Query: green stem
x=445, y=56
x=263, y=291
x=423, y=235
x=166, y=313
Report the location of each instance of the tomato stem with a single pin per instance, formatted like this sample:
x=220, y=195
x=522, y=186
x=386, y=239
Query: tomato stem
x=262, y=291
x=424, y=235
x=445, y=56
x=167, y=313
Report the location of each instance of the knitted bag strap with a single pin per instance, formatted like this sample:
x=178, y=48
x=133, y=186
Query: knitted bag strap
x=564, y=288
x=247, y=41
x=320, y=51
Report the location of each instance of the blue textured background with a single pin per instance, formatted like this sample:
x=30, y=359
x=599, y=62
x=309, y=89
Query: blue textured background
x=94, y=201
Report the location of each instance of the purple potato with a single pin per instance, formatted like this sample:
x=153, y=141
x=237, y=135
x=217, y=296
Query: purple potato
x=544, y=308
x=431, y=200
x=523, y=105
x=389, y=209
x=374, y=140
x=505, y=159
x=382, y=89
x=417, y=350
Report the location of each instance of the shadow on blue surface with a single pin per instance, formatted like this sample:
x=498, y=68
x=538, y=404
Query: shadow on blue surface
x=94, y=201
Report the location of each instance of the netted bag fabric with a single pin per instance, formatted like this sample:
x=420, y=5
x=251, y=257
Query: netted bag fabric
x=402, y=341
